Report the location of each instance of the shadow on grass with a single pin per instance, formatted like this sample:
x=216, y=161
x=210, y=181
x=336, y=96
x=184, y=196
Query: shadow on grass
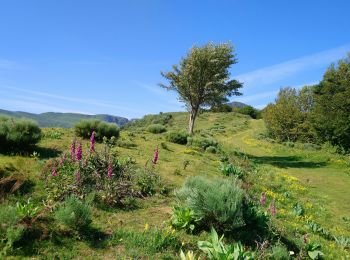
x=94, y=237
x=286, y=161
x=47, y=153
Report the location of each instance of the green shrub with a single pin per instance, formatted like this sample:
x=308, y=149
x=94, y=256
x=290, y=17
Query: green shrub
x=10, y=228
x=156, y=129
x=126, y=143
x=18, y=134
x=279, y=252
x=84, y=129
x=177, y=137
x=211, y=149
x=201, y=142
x=148, y=181
x=74, y=214
x=216, y=202
x=216, y=249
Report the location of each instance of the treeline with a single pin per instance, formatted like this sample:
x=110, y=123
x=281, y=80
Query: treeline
x=318, y=113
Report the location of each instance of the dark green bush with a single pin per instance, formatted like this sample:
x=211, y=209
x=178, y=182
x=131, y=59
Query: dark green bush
x=18, y=134
x=84, y=129
x=211, y=149
x=215, y=202
x=74, y=214
x=156, y=129
x=177, y=137
x=201, y=142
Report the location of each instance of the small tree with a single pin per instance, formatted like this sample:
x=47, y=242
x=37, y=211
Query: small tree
x=202, y=78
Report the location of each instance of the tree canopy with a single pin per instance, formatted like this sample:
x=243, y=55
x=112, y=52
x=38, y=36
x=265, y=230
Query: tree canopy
x=202, y=78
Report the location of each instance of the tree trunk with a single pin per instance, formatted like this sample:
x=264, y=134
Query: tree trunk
x=193, y=115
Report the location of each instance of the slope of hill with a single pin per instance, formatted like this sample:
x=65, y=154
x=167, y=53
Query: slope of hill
x=65, y=120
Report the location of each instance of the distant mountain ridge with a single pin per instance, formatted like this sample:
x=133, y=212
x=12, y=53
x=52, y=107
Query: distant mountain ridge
x=65, y=120
x=237, y=104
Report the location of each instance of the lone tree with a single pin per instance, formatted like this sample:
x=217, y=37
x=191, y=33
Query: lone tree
x=202, y=78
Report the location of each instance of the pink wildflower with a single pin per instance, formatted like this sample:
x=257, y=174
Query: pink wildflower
x=155, y=156
x=54, y=171
x=272, y=208
x=79, y=152
x=110, y=170
x=72, y=150
x=78, y=175
x=92, y=142
x=263, y=199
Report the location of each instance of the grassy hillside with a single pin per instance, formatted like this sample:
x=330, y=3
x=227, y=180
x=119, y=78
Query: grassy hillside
x=65, y=120
x=310, y=186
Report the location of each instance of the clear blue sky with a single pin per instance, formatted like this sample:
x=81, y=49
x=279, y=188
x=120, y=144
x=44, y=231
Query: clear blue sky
x=106, y=56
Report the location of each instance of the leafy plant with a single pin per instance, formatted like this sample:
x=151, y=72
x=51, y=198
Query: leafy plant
x=229, y=169
x=74, y=214
x=279, y=252
x=298, y=209
x=27, y=209
x=202, y=143
x=343, y=242
x=183, y=218
x=188, y=256
x=216, y=249
x=215, y=202
x=314, y=251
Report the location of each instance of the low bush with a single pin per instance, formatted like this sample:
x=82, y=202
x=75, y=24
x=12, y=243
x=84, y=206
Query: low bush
x=211, y=149
x=11, y=230
x=229, y=169
x=18, y=134
x=156, y=129
x=183, y=218
x=215, y=202
x=201, y=142
x=177, y=137
x=84, y=129
x=74, y=214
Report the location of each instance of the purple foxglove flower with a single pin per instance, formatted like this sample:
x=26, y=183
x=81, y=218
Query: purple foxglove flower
x=79, y=152
x=78, y=175
x=263, y=199
x=72, y=150
x=272, y=208
x=92, y=142
x=110, y=170
x=155, y=156
x=54, y=171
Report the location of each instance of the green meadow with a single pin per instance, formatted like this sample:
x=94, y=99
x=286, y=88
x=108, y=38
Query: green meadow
x=308, y=183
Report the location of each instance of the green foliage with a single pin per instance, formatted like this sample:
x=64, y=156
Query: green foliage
x=288, y=119
x=202, y=78
x=216, y=249
x=156, y=129
x=225, y=108
x=248, y=110
x=201, y=142
x=177, y=137
x=314, y=251
x=18, y=134
x=332, y=105
x=229, y=169
x=161, y=119
x=211, y=149
x=27, y=209
x=298, y=209
x=84, y=129
x=74, y=214
x=183, y=218
x=148, y=181
x=10, y=228
x=279, y=252
x=215, y=202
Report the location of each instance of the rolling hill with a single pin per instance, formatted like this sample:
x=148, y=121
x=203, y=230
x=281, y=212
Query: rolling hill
x=65, y=120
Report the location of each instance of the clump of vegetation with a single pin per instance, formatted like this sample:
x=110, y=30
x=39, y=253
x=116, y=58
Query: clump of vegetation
x=229, y=169
x=74, y=214
x=84, y=129
x=212, y=149
x=183, y=218
x=156, y=129
x=11, y=229
x=202, y=143
x=18, y=134
x=101, y=172
x=177, y=137
x=215, y=248
x=215, y=202
x=161, y=119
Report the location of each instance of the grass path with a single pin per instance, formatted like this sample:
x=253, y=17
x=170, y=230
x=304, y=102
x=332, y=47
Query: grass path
x=325, y=175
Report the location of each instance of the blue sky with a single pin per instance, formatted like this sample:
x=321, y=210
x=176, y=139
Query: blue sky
x=106, y=56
